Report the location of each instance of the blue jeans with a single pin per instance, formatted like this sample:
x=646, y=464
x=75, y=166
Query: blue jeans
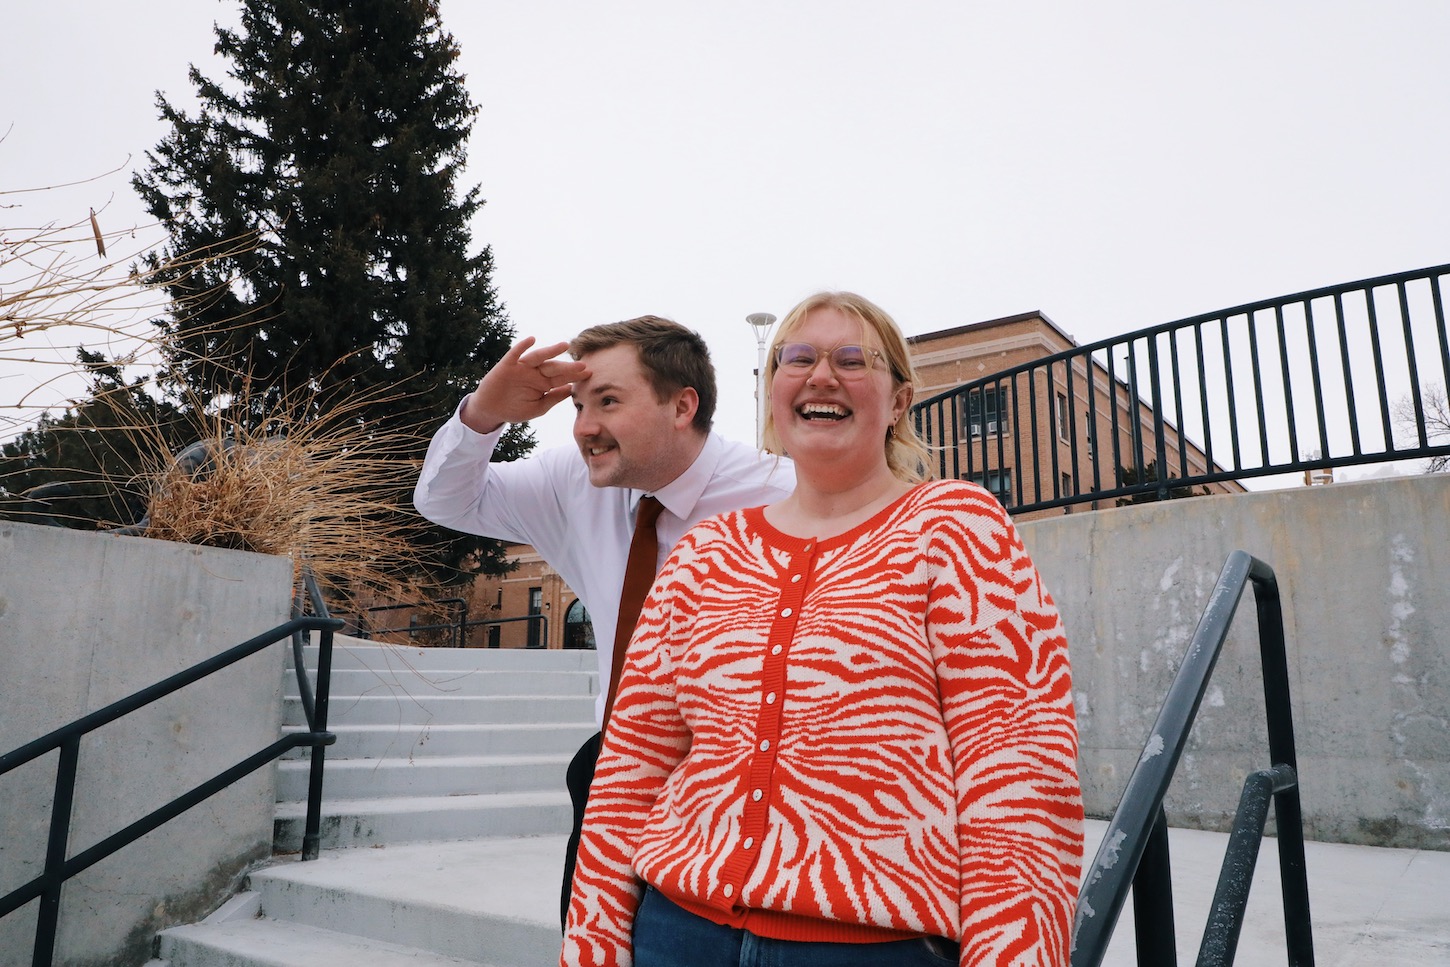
x=667, y=936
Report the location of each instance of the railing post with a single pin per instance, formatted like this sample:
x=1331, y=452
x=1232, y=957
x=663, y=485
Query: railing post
x=299, y=660
x=312, y=829
x=1288, y=815
x=1236, y=877
x=1160, y=438
x=1135, y=419
x=1153, y=927
x=48, y=916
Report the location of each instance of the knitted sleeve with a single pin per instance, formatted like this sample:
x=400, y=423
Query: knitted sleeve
x=645, y=740
x=1006, y=691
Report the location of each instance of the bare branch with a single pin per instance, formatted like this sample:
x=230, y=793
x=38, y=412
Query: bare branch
x=1435, y=410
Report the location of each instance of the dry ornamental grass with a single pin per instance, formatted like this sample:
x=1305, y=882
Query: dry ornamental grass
x=313, y=481
x=323, y=491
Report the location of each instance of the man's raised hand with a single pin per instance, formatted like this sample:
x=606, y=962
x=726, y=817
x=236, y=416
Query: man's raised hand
x=524, y=385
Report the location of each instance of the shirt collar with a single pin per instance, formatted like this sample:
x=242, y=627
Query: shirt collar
x=682, y=494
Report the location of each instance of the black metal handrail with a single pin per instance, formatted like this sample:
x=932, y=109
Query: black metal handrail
x=59, y=868
x=457, y=625
x=460, y=627
x=539, y=621
x=1304, y=383
x=314, y=707
x=1134, y=852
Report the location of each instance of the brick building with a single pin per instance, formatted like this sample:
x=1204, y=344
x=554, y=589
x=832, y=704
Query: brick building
x=553, y=616
x=1049, y=427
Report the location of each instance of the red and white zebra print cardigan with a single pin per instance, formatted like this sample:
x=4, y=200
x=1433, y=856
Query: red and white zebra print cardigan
x=859, y=738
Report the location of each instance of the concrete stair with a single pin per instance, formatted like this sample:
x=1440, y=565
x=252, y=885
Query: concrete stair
x=444, y=818
x=440, y=743
x=474, y=902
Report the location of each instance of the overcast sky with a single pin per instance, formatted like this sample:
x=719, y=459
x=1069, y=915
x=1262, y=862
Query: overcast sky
x=1113, y=165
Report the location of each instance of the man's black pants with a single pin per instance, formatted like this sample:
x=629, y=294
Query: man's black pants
x=577, y=778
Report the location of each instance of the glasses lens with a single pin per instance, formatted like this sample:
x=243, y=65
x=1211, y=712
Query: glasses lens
x=797, y=355
x=849, y=359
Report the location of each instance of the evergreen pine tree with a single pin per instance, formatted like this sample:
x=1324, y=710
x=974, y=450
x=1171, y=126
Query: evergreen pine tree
x=338, y=138
x=1129, y=477
x=80, y=469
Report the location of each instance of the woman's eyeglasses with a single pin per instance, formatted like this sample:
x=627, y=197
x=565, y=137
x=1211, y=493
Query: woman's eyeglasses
x=847, y=362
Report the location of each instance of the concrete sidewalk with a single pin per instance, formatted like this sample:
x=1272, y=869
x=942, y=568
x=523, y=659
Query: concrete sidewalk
x=1369, y=907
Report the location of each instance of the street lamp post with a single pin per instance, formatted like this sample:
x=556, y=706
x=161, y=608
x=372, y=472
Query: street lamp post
x=761, y=323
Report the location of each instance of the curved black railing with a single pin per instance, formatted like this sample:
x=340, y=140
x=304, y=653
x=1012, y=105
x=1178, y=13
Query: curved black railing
x=538, y=625
x=66, y=740
x=1134, y=852
x=459, y=624
x=1333, y=377
x=314, y=706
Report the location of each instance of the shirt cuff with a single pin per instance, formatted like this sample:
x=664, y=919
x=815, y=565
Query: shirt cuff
x=467, y=432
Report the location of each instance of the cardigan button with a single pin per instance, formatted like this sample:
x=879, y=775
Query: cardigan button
x=785, y=612
x=795, y=579
x=770, y=699
x=756, y=795
x=765, y=746
x=750, y=842
x=775, y=650
x=729, y=890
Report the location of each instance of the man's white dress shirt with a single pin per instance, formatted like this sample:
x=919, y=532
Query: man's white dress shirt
x=581, y=530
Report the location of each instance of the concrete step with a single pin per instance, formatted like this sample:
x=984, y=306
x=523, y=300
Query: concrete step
x=424, y=776
x=409, y=741
x=400, y=661
x=420, y=684
x=494, y=901
x=261, y=942
x=411, y=819
x=438, y=709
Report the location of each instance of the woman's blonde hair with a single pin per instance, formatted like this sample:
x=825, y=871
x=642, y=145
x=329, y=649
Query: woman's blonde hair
x=906, y=456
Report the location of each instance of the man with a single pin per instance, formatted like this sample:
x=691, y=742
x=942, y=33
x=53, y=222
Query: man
x=644, y=401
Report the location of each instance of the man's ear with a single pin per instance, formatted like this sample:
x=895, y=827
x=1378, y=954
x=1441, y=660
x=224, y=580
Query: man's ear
x=687, y=403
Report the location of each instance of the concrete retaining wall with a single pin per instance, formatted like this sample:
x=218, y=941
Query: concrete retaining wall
x=87, y=619
x=1364, y=572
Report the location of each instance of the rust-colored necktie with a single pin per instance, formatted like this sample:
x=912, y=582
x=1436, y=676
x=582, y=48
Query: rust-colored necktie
x=639, y=575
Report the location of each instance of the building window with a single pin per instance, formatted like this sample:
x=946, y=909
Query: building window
x=578, y=629
x=1089, y=432
x=1066, y=485
x=999, y=482
x=495, y=635
x=986, y=410
x=536, y=606
x=1062, y=422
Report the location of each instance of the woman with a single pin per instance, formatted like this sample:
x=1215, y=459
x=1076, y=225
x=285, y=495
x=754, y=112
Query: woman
x=844, y=732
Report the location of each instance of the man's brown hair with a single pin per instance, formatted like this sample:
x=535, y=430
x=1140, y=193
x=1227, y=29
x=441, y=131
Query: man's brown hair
x=673, y=358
